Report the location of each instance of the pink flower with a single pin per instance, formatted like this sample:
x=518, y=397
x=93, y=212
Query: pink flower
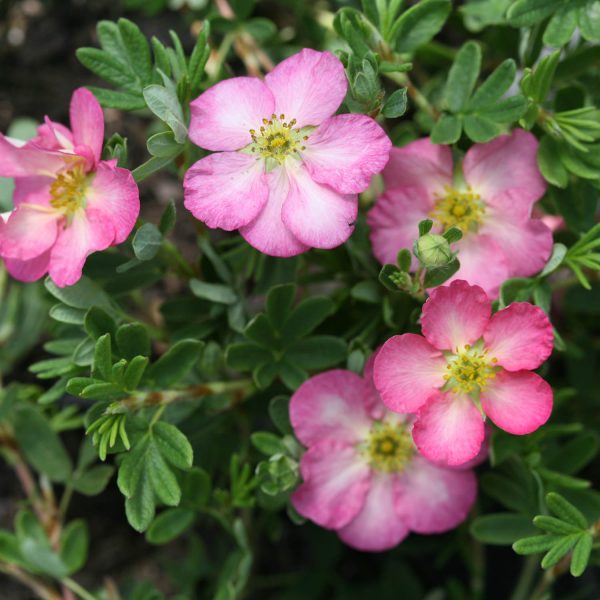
x=492, y=207
x=287, y=172
x=68, y=202
x=362, y=475
x=468, y=366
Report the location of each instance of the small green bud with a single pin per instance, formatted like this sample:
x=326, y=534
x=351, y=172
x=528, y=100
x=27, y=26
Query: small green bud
x=433, y=250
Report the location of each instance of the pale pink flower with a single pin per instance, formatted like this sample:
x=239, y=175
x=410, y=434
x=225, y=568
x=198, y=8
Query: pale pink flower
x=287, y=172
x=362, y=476
x=68, y=202
x=492, y=207
x=468, y=365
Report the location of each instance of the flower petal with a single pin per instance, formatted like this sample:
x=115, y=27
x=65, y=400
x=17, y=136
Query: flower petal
x=377, y=527
x=317, y=215
x=518, y=402
x=226, y=190
x=420, y=164
x=408, y=371
x=432, y=498
x=449, y=429
x=88, y=232
x=336, y=483
x=526, y=243
x=224, y=114
x=519, y=336
x=87, y=121
x=345, y=151
x=332, y=405
x=267, y=233
x=508, y=162
x=19, y=161
x=482, y=263
x=455, y=315
x=29, y=232
x=26, y=186
x=114, y=195
x=308, y=86
x=394, y=221
x=28, y=270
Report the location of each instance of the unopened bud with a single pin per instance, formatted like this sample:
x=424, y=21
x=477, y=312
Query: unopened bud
x=434, y=250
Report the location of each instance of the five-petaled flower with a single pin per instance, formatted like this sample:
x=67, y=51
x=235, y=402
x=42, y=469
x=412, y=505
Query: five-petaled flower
x=467, y=366
x=492, y=206
x=68, y=202
x=362, y=475
x=287, y=172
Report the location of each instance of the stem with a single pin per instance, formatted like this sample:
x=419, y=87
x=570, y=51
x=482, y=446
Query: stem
x=79, y=590
x=38, y=587
x=176, y=258
x=528, y=572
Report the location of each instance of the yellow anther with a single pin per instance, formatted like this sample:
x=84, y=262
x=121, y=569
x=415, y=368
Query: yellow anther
x=68, y=190
x=463, y=209
x=470, y=371
x=389, y=447
x=278, y=140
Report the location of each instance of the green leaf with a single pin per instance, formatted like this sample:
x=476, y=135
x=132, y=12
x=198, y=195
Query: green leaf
x=535, y=544
x=109, y=69
x=170, y=524
x=195, y=488
x=168, y=218
x=146, y=242
x=97, y=322
x=581, y=554
x=524, y=13
x=176, y=362
x=395, y=104
x=556, y=526
x=563, y=509
x=134, y=372
x=501, y=529
x=199, y=57
x=163, y=145
x=163, y=102
x=93, y=481
x=42, y=558
x=561, y=27
x=481, y=129
x=103, y=358
x=447, y=130
x=120, y=100
x=279, y=303
x=589, y=21
x=306, y=317
x=463, y=76
x=437, y=275
x=317, y=352
x=84, y=294
x=550, y=163
x=559, y=550
x=40, y=445
x=246, y=356
x=292, y=375
x=495, y=86
x=9, y=548
x=133, y=340
x=67, y=314
x=213, y=292
x=280, y=414
x=173, y=445
x=138, y=51
x=419, y=24
x=268, y=443
x=517, y=289
x=74, y=542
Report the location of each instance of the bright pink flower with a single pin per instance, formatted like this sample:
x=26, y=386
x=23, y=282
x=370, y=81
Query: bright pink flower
x=492, y=207
x=68, y=202
x=362, y=475
x=287, y=172
x=469, y=365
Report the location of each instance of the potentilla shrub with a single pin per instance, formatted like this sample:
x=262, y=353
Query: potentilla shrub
x=356, y=355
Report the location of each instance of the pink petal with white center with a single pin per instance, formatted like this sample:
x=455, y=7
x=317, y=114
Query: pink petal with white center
x=31, y=229
x=114, y=195
x=308, y=86
x=375, y=406
x=407, y=372
x=22, y=161
x=88, y=232
x=526, y=243
x=317, y=215
x=226, y=190
x=449, y=429
x=482, y=263
x=336, y=483
x=518, y=402
x=87, y=122
x=455, y=315
x=224, y=114
x=52, y=136
x=377, y=527
x=420, y=164
x=345, y=151
x=332, y=405
x=267, y=233
x=28, y=270
x=519, y=337
x=26, y=186
x=431, y=498
x=509, y=162
x=394, y=221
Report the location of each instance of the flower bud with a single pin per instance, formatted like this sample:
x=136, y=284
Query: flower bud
x=433, y=250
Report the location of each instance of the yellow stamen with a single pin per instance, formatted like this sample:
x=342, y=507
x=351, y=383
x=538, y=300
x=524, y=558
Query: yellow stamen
x=278, y=139
x=389, y=447
x=470, y=370
x=463, y=209
x=68, y=190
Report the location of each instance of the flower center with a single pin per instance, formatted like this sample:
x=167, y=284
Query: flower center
x=469, y=370
x=389, y=447
x=458, y=209
x=68, y=190
x=277, y=138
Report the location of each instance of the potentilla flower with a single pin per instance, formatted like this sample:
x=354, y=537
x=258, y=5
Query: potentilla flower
x=492, y=206
x=362, y=475
x=468, y=365
x=287, y=172
x=68, y=202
